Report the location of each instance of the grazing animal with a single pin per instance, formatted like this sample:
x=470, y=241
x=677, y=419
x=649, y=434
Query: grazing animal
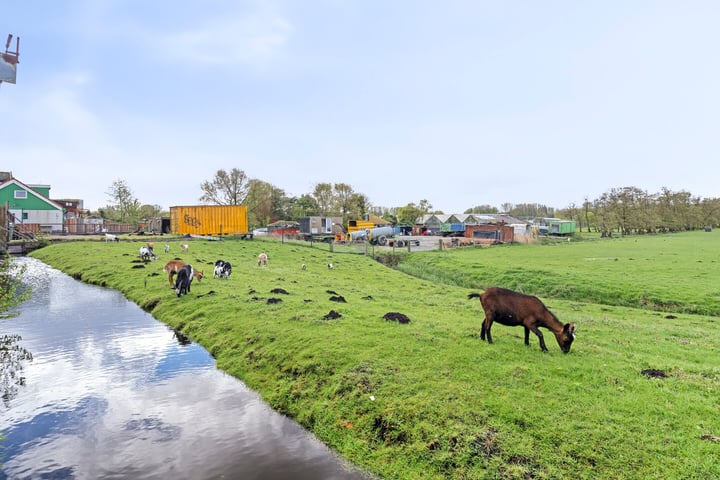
x=184, y=247
x=183, y=280
x=109, y=237
x=303, y=267
x=262, y=259
x=146, y=254
x=172, y=267
x=330, y=266
x=223, y=269
x=511, y=308
x=167, y=248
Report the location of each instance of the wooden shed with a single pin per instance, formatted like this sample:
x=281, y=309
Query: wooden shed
x=490, y=233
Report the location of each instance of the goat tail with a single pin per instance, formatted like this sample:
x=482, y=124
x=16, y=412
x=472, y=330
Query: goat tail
x=473, y=295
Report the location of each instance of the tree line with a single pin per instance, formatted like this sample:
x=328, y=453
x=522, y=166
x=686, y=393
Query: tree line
x=626, y=210
x=631, y=210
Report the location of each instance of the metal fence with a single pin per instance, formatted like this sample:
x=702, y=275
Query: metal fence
x=420, y=243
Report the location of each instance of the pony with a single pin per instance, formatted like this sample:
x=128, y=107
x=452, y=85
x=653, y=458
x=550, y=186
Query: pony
x=146, y=254
x=183, y=280
x=172, y=267
x=262, y=259
x=223, y=269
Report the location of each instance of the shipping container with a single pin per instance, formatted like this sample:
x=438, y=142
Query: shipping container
x=209, y=220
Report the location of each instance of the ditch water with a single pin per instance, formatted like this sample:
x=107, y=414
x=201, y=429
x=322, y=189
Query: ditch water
x=113, y=393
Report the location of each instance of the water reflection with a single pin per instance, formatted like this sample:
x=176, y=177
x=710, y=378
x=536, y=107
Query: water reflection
x=112, y=393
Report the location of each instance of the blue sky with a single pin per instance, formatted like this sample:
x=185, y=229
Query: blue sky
x=461, y=103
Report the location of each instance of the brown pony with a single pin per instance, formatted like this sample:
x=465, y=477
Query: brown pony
x=173, y=267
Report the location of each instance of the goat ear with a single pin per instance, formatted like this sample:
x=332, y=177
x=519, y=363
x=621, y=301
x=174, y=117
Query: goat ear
x=569, y=328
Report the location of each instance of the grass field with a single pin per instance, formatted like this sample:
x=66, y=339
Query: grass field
x=428, y=399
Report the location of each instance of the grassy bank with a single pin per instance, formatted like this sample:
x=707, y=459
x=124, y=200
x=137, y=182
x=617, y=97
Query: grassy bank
x=428, y=399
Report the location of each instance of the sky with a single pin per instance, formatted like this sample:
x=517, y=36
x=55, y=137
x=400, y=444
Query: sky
x=460, y=103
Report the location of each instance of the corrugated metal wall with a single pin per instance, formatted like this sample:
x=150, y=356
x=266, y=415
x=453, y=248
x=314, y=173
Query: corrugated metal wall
x=209, y=220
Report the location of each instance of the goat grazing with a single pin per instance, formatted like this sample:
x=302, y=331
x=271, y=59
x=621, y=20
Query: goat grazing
x=511, y=308
x=146, y=254
x=183, y=280
x=109, y=237
x=184, y=247
x=223, y=269
x=172, y=267
x=262, y=259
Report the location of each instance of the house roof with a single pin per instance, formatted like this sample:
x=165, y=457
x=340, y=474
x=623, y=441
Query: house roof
x=471, y=218
x=377, y=220
x=30, y=190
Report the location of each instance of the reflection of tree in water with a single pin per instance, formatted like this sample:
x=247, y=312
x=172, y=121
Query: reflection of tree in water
x=12, y=293
x=11, y=357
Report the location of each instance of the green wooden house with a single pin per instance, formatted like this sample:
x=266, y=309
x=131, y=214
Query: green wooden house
x=31, y=208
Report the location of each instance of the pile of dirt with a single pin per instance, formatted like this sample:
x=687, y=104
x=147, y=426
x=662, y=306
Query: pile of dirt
x=396, y=317
x=332, y=315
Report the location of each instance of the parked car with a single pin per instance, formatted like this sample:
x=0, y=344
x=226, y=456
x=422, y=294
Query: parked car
x=260, y=232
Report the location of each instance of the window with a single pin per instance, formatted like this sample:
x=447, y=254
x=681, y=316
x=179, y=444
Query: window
x=20, y=194
x=25, y=216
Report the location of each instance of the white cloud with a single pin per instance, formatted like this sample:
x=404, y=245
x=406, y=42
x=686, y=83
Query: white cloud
x=253, y=39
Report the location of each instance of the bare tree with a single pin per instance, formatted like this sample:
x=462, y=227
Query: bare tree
x=226, y=188
x=123, y=203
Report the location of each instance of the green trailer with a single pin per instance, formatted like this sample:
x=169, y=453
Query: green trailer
x=562, y=227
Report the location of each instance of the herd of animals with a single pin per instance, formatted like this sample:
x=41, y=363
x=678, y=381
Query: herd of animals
x=181, y=274
x=500, y=305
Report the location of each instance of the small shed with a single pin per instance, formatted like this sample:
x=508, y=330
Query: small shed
x=491, y=234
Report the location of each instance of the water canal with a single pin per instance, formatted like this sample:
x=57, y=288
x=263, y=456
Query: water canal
x=113, y=393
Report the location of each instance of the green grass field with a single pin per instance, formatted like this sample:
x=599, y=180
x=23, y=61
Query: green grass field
x=428, y=399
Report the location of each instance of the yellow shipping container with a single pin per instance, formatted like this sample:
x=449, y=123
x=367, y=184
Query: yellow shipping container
x=209, y=220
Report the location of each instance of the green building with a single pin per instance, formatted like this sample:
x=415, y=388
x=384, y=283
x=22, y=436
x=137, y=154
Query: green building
x=31, y=208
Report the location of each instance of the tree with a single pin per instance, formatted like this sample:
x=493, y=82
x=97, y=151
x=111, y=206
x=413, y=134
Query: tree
x=358, y=206
x=148, y=212
x=259, y=200
x=586, y=208
x=410, y=213
x=226, y=188
x=305, y=206
x=343, y=194
x=323, y=195
x=124, y=207
x=12, y=294
x=482, y=209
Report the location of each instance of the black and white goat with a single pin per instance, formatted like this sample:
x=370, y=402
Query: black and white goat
x=183, y=280
x=146, y=254
x=223, y=269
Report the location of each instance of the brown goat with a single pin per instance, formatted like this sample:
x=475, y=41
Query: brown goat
x=172, y=267
x=511, y=308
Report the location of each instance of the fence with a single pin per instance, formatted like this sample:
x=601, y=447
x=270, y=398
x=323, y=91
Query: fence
x=421, y=243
